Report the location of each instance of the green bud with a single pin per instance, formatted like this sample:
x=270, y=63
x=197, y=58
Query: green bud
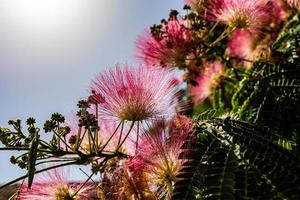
x=187, y=7
x=173, y=14
x=58, y=117
x=72, y=139
x=30, y=121
x=49, y=126
x=32, y=130
x=13, y=160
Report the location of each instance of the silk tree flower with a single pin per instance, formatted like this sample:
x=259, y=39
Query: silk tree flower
x=294, y=3
x=207, y=81
x=181, y=125
x=168, y=48
x=123, y=184
x=243, y=14
x=241, y=45
x=278, y=13
x=248, y=48
x=158, y=159
x=136, y=93
x=54, y=185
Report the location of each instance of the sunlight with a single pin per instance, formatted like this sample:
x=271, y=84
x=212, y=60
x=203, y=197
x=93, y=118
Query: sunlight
x=41, y=13
x=47, y=31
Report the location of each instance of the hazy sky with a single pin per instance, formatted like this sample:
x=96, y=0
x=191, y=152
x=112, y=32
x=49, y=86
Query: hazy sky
x=51, y=49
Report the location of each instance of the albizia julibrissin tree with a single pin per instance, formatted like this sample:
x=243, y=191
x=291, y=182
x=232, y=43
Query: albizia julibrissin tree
x=227, y=127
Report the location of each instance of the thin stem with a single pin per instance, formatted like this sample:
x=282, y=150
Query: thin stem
x=96, y=136
x=66, y=148
x=137, y=136
x=83, y=184
x=120, y=136
x=90, y=144
x=211, y=30
x=57, y=135
x=94, y=144
x=57, y=160
x=77, y=144
x=81, y=139
x=224, y=34
x=37, y=172
x=86, y=174
x=125, y=136
x=111, y=136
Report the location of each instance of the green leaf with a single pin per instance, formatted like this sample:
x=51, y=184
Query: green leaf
x=32, y=159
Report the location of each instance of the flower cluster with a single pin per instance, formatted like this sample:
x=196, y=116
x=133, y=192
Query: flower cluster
x=166, y=45
x=151, y=173
x=294, y=3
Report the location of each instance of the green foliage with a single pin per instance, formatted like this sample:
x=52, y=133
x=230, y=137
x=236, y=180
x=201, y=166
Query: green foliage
x=239, y=161
x=270, y=95
x=255, y=154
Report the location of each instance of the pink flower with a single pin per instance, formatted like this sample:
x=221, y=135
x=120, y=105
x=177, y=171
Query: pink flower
x=181, y=125
x=247, y=14
x=248, y=48
x=123, y=184
x=151, y=173
x=294, y=3
x=241, y=44
x=168, y=48
x=158, y=156
x=55, y=186
x=278, y=13
x=136, y=94
x=207, y=81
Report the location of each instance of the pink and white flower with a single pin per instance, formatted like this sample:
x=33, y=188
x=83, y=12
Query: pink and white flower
x=54, y=185
x=158, y=155
x=169, y=48
x=241, y=45
x=136, y=93
x=207, y=81
x=246, y=14
x=294, y=3
x=124, y=183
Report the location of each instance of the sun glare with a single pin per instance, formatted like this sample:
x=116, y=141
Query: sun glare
x=41, y=13
x=50, y=30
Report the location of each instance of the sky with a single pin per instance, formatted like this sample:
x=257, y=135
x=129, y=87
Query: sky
x=51, y=49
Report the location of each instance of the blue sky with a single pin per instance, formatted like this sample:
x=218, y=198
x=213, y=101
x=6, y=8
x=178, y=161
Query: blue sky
x=47, y=62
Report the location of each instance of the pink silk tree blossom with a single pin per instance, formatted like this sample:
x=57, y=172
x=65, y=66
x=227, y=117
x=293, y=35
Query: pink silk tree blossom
x=169, y=49
x=294, y=3
x=241, y=45
x=243, y=14
x=54, y=185
x=207, y=81
x=136, y=93
x=157, y=156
